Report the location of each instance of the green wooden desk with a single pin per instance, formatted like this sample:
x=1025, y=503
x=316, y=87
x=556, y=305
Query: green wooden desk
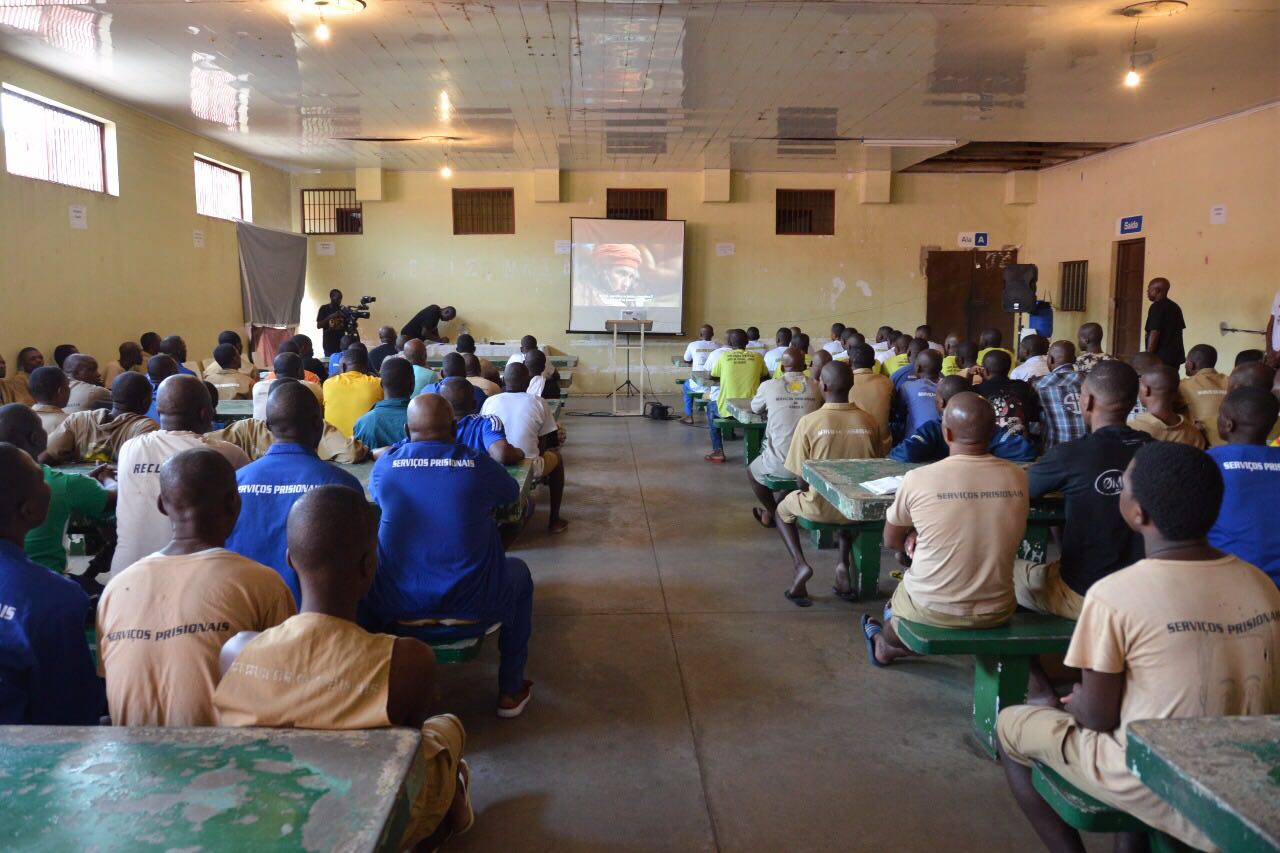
x=557, y=361
x=837, y=480
x=737, y=414
x=1221, y=773
x=235, y=410
x=126, y=789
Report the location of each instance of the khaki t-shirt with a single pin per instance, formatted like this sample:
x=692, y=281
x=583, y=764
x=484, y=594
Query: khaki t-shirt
x=873, y=393
x=51, y=417
x=836, y=431
x=162, y=622
x=232, y=384
x=95, y=436
x=1183, y=431
x=84, y=397
x=969, y=513
x=254, y=438
x=1203, y=395
x=784, y=401
x=313, y=671
x=1193, y=639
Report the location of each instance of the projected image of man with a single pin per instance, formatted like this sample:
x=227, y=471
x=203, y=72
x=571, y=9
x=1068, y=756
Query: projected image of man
x=626, y=276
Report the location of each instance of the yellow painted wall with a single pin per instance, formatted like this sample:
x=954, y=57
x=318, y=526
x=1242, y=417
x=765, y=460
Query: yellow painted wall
x=869, y=273
x=136, y=268
x=1218, y=272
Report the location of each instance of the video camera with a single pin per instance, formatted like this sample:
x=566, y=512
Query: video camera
x=353, y=314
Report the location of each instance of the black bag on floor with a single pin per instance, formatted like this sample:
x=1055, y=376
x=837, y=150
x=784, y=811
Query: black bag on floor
x=657, y=411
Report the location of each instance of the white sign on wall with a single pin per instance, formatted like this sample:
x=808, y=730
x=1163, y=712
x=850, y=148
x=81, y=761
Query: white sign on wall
x=562, y=247
x=1218, y=214
x=326, y=247
x=79, y=217
x=197, y=238
x=973, y=239
x=725, y=249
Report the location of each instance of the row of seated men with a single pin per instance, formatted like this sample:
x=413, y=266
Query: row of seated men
x=1169, y=559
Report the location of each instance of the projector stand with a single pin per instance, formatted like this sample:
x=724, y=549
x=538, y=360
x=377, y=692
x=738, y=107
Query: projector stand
x=627, y=328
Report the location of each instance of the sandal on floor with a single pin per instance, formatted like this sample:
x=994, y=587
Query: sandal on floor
x=758, y=511
x=711, y=457
x=869, y=631
x=846, y=595
x=798, y=600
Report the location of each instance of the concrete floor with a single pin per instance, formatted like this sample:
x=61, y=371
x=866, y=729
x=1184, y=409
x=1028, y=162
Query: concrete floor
x=681, y=703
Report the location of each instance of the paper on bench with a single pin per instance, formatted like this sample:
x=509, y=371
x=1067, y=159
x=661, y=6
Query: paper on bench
x=882, y=486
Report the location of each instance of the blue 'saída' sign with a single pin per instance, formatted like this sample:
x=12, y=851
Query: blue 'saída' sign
x=1131, y=225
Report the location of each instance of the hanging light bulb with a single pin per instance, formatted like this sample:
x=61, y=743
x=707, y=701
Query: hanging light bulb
x=445, y=171
x=1133, y=79
x=322, y=30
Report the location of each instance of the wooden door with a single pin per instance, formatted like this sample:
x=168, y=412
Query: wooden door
x=963, y=293
x=1128, y=298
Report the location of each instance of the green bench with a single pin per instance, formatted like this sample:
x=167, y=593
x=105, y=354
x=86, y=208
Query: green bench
x=779, y=484
x=1086, y=814
x=1002, y=660
x=753, y=435
x=864, y=574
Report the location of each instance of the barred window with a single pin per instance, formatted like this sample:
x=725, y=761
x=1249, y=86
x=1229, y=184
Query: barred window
x=49, y=142
x=1073, y=292
x=220, y=190
x=805, y=212
x=636, y=204
x=491, y=211
x=332, y=212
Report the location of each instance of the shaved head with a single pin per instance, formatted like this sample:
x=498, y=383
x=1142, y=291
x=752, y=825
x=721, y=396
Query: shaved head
x=1089, y=336
x=928, y=362
x=792, y=360
x=536, y=361
x=332, y=532
x=821, y=359
x=294, y=415
x=161, y=367
x=397, y=378
x=1113, y=383
x=24, y=501
x=198, y=493
x=21, y=427
x=472, y=363
x=1060, y=353
x=836, y=379
x=82, y=367
x=516, y=377
x=430, y=419
x=1161, y=379
x=969, y=421
x=183, y=404
x=1247, y=415
x=460, y=395
x=949, y=386
x=131, y=392
x=453, y=365
x=288, y=364
x=1252, y=374
x=416, y=351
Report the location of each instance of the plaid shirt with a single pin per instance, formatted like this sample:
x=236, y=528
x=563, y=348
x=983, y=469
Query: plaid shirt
x=1059, y=393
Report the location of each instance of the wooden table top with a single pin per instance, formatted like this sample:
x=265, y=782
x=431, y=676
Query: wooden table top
x=1221, y=773
x=838, y=480
x=740, y=410
x=113, y=788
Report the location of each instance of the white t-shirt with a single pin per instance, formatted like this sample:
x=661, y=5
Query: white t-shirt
x=757, y=346
x=262, y=389
x=526, y=418
x=833, y=347
x=698, y=352
x=773, y=358
x=1032, y=368
x=519, y=356
x=537, y=385
x=1275, y=329
x=713, y=390
x=140, y=528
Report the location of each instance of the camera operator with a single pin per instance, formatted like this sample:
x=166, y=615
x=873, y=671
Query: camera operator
x=425, y=325
x=331, y=322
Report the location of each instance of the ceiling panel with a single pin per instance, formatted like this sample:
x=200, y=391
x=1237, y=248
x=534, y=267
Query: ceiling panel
x=651, y=85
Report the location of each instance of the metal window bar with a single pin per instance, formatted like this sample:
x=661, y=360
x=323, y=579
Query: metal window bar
x=484, y=211
x=332, y=211
x=219, y=190
x=805, y=212
x=1073, y=291
x=49, y=143
x=636, y=204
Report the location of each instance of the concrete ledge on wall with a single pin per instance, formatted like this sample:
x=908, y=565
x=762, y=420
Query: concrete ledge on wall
x=1021, y=187
x=715, y=185
x=875, y=186
x=369, y=184
x=546, y=185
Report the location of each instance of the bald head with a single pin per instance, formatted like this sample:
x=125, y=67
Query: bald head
x=82, y=367
x=1201, y=357
x=528, y=342
x=294, y=415
x=1252, y=374
x=21, y=427
x=333, y=542
x=968, y=423
x=131, y=392
x=1157, y=388
x=430, y=419
x=183, y=403
x=460, y=396
x=387, y=335
x=174, y=347
x=416, y=352
x=792, y=360
x=836, y=379
x=821, y=359
x=516, y=377
x=24, y=500
x=1060, y=353
x=453, y=365
x=198, y=493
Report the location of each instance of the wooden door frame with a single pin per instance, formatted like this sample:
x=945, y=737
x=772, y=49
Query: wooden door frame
x=1114, y=295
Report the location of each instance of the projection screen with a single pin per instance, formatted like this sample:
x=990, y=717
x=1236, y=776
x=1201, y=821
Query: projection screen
x=626, y=269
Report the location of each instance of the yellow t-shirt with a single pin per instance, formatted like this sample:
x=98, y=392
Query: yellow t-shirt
x=969, y=513
x=347, y=396
x=740, y=372
x=836, y=431
x=949, y=367
x=982, y=353
x=162, y=622
x=894, y=363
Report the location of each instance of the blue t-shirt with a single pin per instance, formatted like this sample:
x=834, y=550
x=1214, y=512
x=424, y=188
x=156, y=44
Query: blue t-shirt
x=434, y=388
x=438, y=548
x=47, y=676
x=269, y=487
x=927, y=445
x=1246, y=525
x=383, y=424
x=479, y=432
x=335, y=363
x=917, y=395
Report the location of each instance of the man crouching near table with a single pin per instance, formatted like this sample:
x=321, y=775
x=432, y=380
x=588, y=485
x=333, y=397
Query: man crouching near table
x=959, y=521
x=320, y=670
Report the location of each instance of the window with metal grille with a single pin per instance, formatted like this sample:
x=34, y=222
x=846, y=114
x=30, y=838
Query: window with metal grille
x=220, y=190
x=48, y=142
x=484, y=211
x=332, y=212
x=636, y=204
x=805, y=212
x=1073, y=292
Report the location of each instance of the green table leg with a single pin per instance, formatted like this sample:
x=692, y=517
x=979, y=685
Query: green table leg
x=866, y=555
x=754, y=440
x=1035, y=543
x=999, y=681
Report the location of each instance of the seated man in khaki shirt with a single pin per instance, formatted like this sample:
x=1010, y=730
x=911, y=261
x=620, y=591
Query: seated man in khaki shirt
x=51, y=390
x=1204, y=390
x=1158, y=393
x=287, y=365
x=959, y=521
x=226, y=375
x=1187, y=632
x=253, y=436
x=131, y=358
x=86, y=384
x=839, y=430
x=98, y=435
x=369, y=680
x=872, y=391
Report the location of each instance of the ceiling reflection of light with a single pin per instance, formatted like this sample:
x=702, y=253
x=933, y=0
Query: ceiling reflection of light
x=215, y=96
x=66, y=28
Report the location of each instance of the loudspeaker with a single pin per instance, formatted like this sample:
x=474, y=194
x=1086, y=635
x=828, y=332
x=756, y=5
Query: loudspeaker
x=1020, y=287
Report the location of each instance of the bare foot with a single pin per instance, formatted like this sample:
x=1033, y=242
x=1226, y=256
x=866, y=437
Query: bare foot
x=802, y=575
x=843, y=588
x=686, y=420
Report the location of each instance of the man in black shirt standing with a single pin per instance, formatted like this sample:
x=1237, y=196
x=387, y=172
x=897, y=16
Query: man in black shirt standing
x=1164, y=325
x=425, y=325
x=331, y=322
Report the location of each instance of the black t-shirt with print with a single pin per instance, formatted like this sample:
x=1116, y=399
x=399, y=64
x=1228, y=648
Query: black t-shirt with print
x=1016, y=403
x=1089, y=472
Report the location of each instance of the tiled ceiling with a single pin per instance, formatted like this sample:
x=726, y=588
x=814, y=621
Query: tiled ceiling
x=652, y=85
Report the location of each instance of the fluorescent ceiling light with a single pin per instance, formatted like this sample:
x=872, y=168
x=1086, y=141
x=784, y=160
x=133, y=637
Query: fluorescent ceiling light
x=908, y=143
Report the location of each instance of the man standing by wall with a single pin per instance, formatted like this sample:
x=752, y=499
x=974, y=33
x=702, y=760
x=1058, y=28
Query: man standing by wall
x=1164, y=325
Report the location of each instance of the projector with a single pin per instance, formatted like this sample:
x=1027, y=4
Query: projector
x=634, y=314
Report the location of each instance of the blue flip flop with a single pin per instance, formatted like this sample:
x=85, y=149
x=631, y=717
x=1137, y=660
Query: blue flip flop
x=869, y=631
x=798, y=600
